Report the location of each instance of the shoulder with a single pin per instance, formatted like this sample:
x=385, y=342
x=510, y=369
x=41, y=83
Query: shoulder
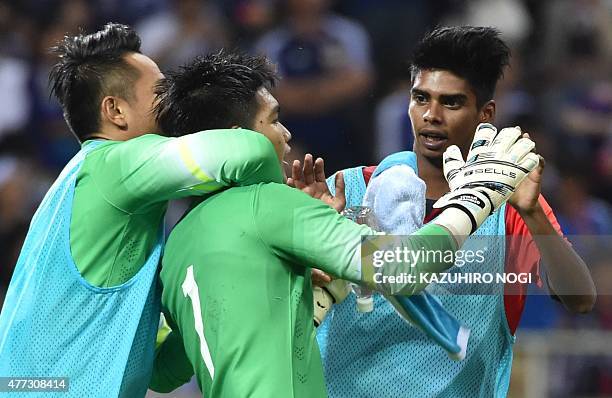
x=140, y=142
x=275, y=192
x=267, y=194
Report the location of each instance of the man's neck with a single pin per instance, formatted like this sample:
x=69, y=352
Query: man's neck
x=431, y=172
x=103, y=135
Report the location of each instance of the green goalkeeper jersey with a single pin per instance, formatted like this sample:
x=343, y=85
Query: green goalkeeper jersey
x=123, y=187
x=237, y=289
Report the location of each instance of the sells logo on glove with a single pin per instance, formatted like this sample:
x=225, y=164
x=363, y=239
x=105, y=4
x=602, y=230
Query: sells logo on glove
x=503, y=172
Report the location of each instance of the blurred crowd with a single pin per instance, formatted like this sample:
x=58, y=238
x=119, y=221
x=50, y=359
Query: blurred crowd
x=344, y=91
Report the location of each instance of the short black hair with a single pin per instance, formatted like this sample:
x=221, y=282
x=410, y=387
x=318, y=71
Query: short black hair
x=212, y=92
x=476, y=54
x=91, y=67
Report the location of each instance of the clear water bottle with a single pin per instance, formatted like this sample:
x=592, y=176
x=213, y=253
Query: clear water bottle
x=365, y=300
x=362, y=215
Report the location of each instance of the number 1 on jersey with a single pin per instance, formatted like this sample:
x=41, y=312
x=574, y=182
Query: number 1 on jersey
x=190, y=288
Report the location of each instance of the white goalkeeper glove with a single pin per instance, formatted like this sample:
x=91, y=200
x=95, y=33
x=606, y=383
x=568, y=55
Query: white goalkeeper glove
x=495, y=166
x=333, y=293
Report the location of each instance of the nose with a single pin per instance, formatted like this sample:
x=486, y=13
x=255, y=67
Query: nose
x=433, y=114
x=287, y=134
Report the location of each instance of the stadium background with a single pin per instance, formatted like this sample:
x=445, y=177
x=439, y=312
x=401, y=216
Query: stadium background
x=559, y=88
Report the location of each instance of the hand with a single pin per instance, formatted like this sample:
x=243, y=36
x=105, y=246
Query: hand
x=320, y=278
x=311, y=180
x=525, y=197
x=323, y=297
x=495, y=166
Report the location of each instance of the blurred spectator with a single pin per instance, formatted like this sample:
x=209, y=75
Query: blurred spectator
x=251, y=19
x=125, y=11
x=576, y=55
x=585, y=126
x=514, y=101
x=13, y=79
x=395, y=26
x=586, y=32
x=578, y=212
x=324, y=61
x=602, y=275
x=604, y=169
x=13, y=73
x=13, y=193
x=188, y=29
x=393, y=128
x=47, y=128
x=22, y=187
x=511, y=17
x=592, y=376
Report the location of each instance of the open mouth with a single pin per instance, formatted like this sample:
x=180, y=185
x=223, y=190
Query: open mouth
x=433, y=140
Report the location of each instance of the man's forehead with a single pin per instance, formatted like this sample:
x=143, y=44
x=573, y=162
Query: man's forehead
x=441, y=82
x=267, y=99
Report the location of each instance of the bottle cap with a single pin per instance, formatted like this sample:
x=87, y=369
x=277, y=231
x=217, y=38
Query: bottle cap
x=365, y=304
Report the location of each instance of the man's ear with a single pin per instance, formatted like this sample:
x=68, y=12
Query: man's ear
x=113, y=111
x=487, y=112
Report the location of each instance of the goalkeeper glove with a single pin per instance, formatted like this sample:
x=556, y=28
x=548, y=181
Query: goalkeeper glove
x=496, y=164
x=333, y=293
x=163, y=330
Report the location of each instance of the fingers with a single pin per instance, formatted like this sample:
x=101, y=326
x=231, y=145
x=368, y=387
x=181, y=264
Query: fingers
x=542, y=163
x=530, y=161
x=290, y=182
x=484, y=135
x=320, y=278
x=505, y=138
x=319, y=170
x=452, y=161
x=523, y=153
x=539, y=170
x=296, y=172
x=308, y=169
x=520, y=148
x=340, y=198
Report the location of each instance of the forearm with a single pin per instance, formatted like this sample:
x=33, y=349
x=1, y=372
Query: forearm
x=567, y=274
x=430, y=250
x=342, y=86
x=307, y=97
x=306, y=231
x=231, y=157
x=153, y=169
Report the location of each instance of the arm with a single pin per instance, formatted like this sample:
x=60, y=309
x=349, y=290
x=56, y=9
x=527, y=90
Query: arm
x=497, y=163
x=171, y=367
x=313, y=96
x=153, y=169
x=569, y=278
x=305, y=231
